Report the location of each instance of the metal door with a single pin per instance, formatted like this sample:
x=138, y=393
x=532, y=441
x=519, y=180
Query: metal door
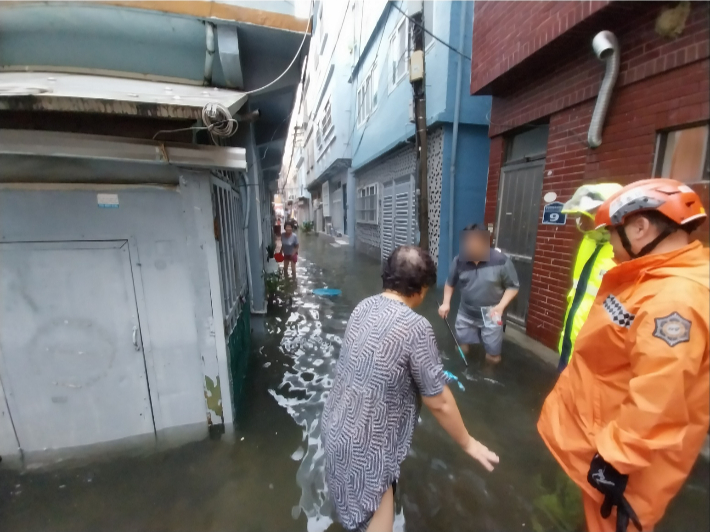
x=397, y=218
x=71, y=358
x=518, y=210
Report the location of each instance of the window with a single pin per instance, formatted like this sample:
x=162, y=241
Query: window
x=367, y=204
x=319, y=28
x=326, y=130
x=399, y=53
x=682, y=154
x=367, y=96
x=311, y=158
x=429, y=23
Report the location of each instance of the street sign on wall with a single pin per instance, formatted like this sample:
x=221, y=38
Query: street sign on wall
x=552, y=214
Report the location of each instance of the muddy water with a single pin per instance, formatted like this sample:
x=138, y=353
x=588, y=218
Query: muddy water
x=269, y=476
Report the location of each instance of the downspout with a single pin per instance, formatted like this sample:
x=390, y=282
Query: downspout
x=245, y=230
x=455, y=139
x=606, y=48
x=209, y=53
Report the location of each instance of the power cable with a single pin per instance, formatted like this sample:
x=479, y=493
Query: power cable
x=217, y=119
x=431, y=34
x=295, y=57
x=377, y=54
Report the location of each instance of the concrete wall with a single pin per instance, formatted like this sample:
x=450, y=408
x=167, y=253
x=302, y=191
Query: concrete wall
x=171, y=229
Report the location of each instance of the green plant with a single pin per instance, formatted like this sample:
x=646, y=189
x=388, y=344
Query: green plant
x=307, y=227
x=558, y=510
x=274, y=283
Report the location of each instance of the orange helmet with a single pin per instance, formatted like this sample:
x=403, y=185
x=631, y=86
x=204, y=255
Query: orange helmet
x=673, y=199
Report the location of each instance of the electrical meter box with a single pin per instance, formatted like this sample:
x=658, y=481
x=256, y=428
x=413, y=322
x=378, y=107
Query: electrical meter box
x=416, y=66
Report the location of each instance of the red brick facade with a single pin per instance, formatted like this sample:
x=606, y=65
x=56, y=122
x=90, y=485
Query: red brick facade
x=507, y=36
x=663, y=83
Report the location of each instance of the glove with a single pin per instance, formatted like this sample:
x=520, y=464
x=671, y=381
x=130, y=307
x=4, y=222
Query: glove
x=612, y=484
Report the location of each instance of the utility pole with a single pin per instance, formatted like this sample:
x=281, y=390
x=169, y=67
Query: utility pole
x=418, y=81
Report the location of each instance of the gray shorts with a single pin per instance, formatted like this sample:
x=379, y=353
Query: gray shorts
x=473, y=331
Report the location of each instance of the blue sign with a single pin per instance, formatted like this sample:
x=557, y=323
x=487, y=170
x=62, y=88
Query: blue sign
x=552, y=214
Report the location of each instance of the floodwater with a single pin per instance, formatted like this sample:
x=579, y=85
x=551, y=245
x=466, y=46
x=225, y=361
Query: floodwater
x=269, y=475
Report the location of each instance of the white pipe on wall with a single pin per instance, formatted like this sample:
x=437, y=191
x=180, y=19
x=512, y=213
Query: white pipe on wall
x=455, y=139
x=606, y=47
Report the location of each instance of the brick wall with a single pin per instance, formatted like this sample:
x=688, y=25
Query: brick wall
x=506, y=35
x=663, y=84
x=643, y=54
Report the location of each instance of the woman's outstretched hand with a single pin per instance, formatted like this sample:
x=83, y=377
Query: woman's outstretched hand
x=481, y=453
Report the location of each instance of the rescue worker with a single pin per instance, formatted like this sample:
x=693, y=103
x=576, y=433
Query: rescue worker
x=628, y=417
x=594, y=258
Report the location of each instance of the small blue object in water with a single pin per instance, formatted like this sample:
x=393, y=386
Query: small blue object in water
x=327, y=292
x=451, y=378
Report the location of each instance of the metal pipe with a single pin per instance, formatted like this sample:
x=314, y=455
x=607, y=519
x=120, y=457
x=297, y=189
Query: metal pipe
x=455, y=139
x=606, y=48
x=209, y=52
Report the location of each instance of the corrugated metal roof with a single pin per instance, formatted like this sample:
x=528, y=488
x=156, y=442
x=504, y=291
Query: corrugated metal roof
x=110, y=95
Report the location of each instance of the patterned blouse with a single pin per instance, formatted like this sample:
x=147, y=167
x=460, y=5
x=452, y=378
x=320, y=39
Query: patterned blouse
x=388, y=358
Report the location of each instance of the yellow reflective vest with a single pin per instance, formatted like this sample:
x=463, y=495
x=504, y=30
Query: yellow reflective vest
x=594, y=259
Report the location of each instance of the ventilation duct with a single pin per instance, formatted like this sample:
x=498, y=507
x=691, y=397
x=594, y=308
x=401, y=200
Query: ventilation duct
x=606, y=48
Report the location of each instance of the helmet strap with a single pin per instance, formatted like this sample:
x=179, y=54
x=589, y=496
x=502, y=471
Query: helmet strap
x=648, y=247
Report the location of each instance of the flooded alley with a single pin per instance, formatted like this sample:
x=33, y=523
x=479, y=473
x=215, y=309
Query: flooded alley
x=268, y=476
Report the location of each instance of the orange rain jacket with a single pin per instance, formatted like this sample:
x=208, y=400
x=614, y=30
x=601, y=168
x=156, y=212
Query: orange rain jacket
x=638, y=388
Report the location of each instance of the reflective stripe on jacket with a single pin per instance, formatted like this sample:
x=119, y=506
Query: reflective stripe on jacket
x=594, y=259
x=637, y=389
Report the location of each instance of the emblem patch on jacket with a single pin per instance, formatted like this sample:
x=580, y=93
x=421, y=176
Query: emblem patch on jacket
x=617, y=312
x=673, y=329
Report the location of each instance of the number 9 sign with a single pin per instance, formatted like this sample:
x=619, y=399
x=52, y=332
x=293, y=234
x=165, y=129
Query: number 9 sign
x=552, y=214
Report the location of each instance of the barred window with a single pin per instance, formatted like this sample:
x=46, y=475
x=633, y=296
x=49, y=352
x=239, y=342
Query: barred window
x=367, y=204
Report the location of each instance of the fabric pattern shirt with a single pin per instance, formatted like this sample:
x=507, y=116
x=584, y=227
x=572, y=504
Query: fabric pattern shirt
x=288, y=243
x=482, y=284
x=388, y=358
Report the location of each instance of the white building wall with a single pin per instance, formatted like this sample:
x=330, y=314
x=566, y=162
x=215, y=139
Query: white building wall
x=168, y=230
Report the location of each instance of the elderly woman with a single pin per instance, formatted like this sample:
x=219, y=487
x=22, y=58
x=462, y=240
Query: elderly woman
x=388, y=360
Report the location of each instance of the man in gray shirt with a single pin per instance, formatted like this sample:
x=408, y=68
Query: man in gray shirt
x=488, y=283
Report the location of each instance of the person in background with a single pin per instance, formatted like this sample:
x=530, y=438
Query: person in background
x=628, y=417
x=594, y=258
x=488, y=282
x=289, y=248
x=389, y=363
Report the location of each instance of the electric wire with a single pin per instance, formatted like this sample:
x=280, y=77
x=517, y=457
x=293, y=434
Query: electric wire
x=377, y=54
x=431, y=34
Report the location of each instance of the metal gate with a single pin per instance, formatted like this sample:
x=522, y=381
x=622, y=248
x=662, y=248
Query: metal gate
x=231, y=242
x=398, y=224
x=518, y=210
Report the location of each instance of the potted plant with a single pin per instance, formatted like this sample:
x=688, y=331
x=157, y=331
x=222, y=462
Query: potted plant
x=307, y=227
x=273, y=283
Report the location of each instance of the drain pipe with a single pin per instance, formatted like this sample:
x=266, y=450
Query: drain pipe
x=209, y=53
x=250, y=278
x=455, y=139
x=606, y=48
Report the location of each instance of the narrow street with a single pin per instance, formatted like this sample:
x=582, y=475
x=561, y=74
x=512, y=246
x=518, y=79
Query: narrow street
x=269, y=477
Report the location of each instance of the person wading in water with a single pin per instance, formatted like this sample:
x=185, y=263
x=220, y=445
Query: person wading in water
x=389, y=363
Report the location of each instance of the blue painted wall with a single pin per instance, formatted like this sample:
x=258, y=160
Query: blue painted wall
x=389, y=126
x=469, y=187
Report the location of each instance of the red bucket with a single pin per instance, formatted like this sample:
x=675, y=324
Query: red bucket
x=279, y=257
